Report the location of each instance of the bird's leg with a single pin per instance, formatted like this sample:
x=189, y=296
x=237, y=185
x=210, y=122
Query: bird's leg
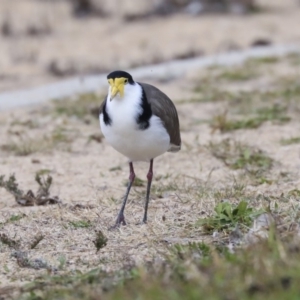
x=121, y=218
x=149, y=177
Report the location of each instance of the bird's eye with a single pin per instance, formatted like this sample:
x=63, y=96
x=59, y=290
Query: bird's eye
x=126, y=81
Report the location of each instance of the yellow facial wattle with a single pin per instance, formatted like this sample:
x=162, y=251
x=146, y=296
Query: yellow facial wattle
x=117, y=87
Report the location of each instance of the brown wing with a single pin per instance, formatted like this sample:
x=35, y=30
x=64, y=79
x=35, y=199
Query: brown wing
x=163, y=107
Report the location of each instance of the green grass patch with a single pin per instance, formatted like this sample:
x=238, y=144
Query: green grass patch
x=82, y=106
x=222, y=123
x=205, y=92
x=80, y=224
x=10, y=242
x=159, y=189
x=294, y=59
x=290, y=141
x=61, y=135
x=256, y=106
x=254, y=163
x=30, y=124
x=23, y=145
x=274, y=113
x=289, y=89
x=36, y=240
x=231, y=193
x=241, y=156
x=242, y=73
x=227, y=216
x=117, y=168
x=15, y=218
x=138, y=182
x=263, y=60
x=266, y=270
x=100, y=240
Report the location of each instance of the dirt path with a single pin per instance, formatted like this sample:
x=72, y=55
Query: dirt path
x=30, y=59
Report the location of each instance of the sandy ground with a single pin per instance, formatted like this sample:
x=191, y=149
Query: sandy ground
x=62, y=45
x=186, y=185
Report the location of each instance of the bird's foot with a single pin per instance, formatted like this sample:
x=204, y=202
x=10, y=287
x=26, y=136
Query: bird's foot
x=120, y=221
x=141, y=223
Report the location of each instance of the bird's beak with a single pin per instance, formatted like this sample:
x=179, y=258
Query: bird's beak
x=114, y=92
x=117, y=87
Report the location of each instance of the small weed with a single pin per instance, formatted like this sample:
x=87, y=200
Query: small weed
x=242, y=73
x=24, y=261
x=29, y=199
x=42, y=172
x=15, y=218
x=11, y=185
x=160, y=189
x=274, y=113
x=207, y=93
x=96, y=137
x=252, y=158
x=294, y=192
x=31, y=124
x=183, y=252
x=161, y=177
x=37, y=239
x=4, y=239
x=44, y=183
x=138, y=182
x=263, y=60
x=100, y=240
x=60, y=135
x=227, y=217
x=62, y=262
x=289, y=89
x=82, y=106
x=294, y=59
x=23, y=145
x=81, y=224
x=240, y=156
x=117, y=168
x=221, y=122
x=290, y=141
x=232, y=193
x=6, y=268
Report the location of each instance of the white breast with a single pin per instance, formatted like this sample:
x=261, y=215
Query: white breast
x=124, y=134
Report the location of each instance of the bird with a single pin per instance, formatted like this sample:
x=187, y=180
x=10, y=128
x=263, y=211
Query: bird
x=141, y=122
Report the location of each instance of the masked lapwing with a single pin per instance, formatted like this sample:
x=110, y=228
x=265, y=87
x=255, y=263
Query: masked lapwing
x=140, y=122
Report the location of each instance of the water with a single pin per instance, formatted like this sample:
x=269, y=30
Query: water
x=172, y=69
